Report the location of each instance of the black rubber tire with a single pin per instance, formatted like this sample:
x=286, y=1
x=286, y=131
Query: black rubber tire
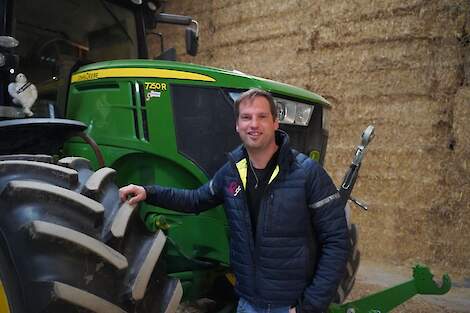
x=69, y=245
x=354, y=258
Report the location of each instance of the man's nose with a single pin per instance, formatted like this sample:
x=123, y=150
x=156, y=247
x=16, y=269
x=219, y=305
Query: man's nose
x=254, y=122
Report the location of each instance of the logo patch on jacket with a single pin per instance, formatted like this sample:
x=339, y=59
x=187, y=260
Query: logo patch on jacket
x=234, y=188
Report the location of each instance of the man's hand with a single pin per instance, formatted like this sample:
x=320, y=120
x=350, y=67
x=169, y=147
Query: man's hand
x=137, y=194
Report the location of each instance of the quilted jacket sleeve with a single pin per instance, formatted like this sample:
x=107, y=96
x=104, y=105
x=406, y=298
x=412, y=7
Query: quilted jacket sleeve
x=197, y=200
x=329, y=222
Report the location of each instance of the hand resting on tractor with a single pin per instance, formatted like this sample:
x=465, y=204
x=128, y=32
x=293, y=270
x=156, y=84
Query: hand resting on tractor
x=132, y=193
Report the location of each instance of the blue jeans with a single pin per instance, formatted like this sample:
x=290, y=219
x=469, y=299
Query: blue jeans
x=245, y=307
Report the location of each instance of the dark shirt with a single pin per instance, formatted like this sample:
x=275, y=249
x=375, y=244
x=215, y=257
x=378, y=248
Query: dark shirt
x=256, y=186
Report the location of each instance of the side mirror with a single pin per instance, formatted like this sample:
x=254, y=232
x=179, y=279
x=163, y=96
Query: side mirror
x=192, y=41
x=192, y=31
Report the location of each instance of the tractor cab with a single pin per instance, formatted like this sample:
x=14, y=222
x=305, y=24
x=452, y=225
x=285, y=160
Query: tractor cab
x=55, y=37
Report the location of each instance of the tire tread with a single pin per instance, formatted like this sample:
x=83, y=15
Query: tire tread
x=84, y=299
x=81, y=240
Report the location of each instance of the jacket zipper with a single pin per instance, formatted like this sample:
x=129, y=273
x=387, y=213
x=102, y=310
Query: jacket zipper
x=248, y=221
x=254, y=248
x=265, y=204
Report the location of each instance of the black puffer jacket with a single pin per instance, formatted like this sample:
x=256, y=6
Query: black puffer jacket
x=302, y=239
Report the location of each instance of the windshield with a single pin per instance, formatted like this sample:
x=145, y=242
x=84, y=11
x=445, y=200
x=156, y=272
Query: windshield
x=56, y=34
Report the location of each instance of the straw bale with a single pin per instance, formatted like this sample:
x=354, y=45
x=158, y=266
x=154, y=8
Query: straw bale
x=409, y=228
x=378, y=241
x=401, y=195
x=385, y=55
x=429, y=241
x=427, y=24
x=408, y=236
x=402, y=134
x=400, y=65
x=447, y=237
x=253, y=11
x=444, y=79
x=222, y=4
x=392, y=172
x=340, y=10
x=461, y=125
x=255, y=30
x=298, y=81
x=418, y=110
x=389, y=161
x=277, y=62
x=189, y=7
x=372, y=226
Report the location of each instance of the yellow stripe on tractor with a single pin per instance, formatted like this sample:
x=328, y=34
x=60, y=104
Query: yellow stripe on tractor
x=4, y=307
x=139, y=72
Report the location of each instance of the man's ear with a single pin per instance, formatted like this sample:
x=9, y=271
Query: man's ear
x=236, y=127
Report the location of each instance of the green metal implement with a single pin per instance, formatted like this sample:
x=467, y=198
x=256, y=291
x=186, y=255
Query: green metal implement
x=384, y=301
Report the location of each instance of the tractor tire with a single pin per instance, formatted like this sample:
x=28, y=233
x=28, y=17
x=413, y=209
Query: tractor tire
x=67, y=243
x=352, y=266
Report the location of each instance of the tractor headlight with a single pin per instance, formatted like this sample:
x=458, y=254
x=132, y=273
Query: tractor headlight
x=292, y=112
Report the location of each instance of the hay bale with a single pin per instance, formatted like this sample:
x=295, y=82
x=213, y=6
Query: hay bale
x=400, y=65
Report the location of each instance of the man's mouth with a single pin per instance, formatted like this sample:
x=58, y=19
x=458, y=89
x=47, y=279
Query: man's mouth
x=254, y=134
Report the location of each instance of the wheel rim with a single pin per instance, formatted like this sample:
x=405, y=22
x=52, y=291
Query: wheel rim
x=4, y=307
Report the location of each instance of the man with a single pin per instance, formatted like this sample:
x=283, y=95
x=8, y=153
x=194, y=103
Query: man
x=289, y=237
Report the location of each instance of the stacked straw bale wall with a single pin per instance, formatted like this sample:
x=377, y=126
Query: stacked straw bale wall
x=402, y=65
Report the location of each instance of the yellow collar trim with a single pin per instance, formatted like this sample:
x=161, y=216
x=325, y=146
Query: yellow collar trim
x=242, y=167
x=274, y=174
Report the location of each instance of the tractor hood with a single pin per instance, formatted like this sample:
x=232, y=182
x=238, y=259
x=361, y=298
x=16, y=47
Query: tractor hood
x=184, y=71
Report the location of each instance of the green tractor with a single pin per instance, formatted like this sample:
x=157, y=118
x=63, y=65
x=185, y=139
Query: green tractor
x=172, y=124
x=67, y=244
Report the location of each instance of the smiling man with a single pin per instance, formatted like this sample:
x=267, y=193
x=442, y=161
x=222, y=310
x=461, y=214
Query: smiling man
x=289, y=237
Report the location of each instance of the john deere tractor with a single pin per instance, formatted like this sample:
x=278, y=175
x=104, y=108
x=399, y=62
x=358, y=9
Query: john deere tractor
x=100, y=114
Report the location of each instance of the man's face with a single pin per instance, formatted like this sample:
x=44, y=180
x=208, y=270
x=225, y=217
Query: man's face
x=255, y=124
